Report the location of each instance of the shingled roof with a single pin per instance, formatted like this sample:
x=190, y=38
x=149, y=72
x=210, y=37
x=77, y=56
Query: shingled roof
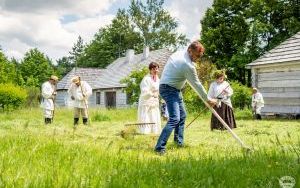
x=116, y=71
x=90, y=75
x=287, y=51
x=121, y=68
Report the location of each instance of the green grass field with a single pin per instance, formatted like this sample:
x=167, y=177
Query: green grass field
x=35, y=155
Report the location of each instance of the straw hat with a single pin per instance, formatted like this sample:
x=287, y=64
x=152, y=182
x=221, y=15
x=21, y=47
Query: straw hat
x=76, y=79
x=55, y=78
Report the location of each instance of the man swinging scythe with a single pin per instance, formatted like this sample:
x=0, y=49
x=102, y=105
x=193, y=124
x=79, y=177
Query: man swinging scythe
x=179, y=69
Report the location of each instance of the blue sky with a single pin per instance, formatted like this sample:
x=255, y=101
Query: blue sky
x=53, y=26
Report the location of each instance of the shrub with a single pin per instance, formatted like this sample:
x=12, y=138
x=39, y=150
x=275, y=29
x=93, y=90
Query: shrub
x=133, y=84
x=11, y=96
x=192, y=101
x=241, y=97
x=33, y=96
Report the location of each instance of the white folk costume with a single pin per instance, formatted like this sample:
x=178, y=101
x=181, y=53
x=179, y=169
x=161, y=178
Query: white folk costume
x=48, y=96
x=79, y=99
x=222, y=92
x=148, y=109
x=257, y=102
x=47, y=101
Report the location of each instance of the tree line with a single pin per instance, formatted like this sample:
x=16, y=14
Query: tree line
x=234, y=33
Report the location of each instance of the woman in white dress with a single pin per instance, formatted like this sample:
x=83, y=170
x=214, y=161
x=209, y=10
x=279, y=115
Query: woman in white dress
x=148, y=109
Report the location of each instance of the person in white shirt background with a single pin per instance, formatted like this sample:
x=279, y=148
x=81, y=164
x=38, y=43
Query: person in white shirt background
x=221, y=91
x=257, y=103
x=48, y=96
x=79, y=92
x=148, y=108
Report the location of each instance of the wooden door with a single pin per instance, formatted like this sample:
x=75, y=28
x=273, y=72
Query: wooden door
x=110, y=101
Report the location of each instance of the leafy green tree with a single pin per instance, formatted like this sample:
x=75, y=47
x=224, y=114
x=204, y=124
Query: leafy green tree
x=77, y=51
x=140, y=25
x=133, y=82
x=111, y=42
x=17, y=77
x=36, y=68
x=64, y=65
x=236, y=32
x=155, y=25
x=225, y=30
x=4, y=66
x=8, y=71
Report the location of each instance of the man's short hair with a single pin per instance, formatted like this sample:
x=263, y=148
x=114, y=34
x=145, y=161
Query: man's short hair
x=153, y=65
x=196, y=46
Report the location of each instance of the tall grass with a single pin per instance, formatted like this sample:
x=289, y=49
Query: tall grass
x=35, y=155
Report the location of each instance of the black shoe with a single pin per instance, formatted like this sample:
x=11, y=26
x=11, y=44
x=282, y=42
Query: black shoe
x=47, y=120
x=76, y=121
x=85, y=121
x=258, y=116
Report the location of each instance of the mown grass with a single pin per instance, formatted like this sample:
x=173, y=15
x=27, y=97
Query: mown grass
x=35, y=155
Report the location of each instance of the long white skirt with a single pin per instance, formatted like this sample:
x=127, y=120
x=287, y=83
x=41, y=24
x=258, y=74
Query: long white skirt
x=146, y=115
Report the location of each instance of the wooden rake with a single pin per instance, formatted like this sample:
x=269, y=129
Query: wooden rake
x=131, y=129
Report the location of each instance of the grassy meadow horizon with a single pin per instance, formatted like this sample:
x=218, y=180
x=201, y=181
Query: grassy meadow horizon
x=99, y=155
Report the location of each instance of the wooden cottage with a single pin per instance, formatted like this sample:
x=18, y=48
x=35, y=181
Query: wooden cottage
x=107, y=89
x=277, y=75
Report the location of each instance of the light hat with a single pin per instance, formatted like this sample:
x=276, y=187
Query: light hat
x=55, y=78
x=76, y=79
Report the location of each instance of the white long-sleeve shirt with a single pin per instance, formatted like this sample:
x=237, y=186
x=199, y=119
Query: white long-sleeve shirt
x=149, y=89
x=47, y=94
x=220, y=90
x=257, y=100
x=77, y=92
x=180, y=69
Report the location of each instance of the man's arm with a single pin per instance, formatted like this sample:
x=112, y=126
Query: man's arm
x=191, y=76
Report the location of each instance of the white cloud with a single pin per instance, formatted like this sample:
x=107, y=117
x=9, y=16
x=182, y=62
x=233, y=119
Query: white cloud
x=38, y=23
x=188, y=14
x=87, y=27
x=82, y=7
x=53, y=26
x=16, y=48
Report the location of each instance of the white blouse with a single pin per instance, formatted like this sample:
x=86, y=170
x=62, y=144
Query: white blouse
x=220, y=91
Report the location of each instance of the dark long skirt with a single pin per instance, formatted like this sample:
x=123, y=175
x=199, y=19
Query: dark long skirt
x=226, y=113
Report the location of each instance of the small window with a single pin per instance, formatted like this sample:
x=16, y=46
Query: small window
x=98, y=98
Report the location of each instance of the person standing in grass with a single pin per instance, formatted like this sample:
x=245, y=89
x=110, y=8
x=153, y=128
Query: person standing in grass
x=257, y=103
x=179, y=69
x=148, y=109
x=48, y=97
x=221, y=91
x=80, y=92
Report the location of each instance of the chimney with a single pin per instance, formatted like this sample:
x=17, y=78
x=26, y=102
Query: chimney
x=146, y=52
x=129, y=55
